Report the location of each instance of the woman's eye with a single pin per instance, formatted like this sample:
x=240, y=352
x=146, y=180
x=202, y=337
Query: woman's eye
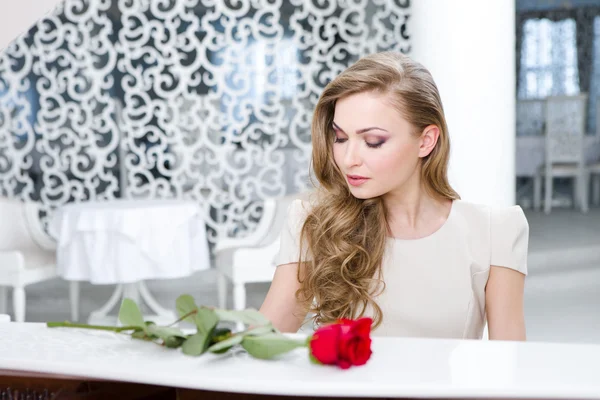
x=370, y=145
x=374, y=145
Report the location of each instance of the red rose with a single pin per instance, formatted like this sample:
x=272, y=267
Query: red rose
x=344, y=343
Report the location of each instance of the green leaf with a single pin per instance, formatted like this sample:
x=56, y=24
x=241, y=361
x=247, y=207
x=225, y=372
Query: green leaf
x=270, y=345
x=206, y=320
x=249, y=316
x=130, y=314
x=220, y=334
x=171, y=337
x=173, y=342
x=221, y=351
x=185, y=304
x=143, y=336
x=259, y=330
x=164, y=332
x=226, y=344
x=195, y=345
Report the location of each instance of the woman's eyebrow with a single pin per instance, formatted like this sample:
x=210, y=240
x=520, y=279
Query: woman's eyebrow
x=359, y=131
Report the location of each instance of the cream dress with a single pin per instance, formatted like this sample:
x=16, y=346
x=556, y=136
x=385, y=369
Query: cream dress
x=435, y=286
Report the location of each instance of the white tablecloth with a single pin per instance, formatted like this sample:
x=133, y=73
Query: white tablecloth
x=127, y=241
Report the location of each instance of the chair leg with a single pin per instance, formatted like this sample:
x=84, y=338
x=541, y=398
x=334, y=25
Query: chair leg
x=239, y=300
x=239, y=296
x=583, y=183
x=537, y=192
x=3, y=298
x=222, y=290
x=548, y=194
x=131, y=291
x=74, y=299
x=596, y=189
x=19, y=304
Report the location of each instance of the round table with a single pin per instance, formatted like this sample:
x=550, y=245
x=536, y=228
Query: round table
x=126, y=242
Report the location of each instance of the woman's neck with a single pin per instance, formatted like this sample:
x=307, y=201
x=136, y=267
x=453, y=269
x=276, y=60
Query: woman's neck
x=415, y=214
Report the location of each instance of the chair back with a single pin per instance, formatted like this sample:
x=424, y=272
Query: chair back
x=278, y=215
x=20, y=226
x=14, y=233
x=531, y=115
x=565, y=129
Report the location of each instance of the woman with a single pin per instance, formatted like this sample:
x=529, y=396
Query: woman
x=384, y=235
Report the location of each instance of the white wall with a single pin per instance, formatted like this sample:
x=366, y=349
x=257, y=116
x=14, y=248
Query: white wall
x=469, y=47
x=17, y=16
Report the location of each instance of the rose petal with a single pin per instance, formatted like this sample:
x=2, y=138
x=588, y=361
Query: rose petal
x=362, y=327
x=324, y=344
x=354, y=345
x=346, y=330
x=361, y=352
x=343, y=364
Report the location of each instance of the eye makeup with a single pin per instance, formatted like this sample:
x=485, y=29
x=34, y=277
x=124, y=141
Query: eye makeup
x=370, y=145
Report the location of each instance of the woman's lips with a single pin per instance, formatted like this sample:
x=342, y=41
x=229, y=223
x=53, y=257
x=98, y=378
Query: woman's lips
x=356, y=180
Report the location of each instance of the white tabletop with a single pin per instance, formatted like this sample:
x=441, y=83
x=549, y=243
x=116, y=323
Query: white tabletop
x=399, y=367
x=125, y=241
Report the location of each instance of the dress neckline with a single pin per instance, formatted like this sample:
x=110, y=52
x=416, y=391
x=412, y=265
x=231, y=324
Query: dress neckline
x=431, y=235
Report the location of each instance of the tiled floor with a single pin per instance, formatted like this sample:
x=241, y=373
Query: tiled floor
x=562, y=302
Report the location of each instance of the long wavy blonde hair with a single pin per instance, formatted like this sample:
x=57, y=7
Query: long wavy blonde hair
x=346, y=236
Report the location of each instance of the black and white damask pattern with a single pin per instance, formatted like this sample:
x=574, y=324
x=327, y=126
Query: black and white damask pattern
x=197, y=99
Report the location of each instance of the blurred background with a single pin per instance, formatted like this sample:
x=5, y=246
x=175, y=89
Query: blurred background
x=210, y=103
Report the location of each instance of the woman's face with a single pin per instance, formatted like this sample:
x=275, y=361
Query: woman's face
x=373, y=141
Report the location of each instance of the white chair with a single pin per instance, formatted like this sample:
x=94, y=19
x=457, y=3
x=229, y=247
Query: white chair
x=251, y=259
x=27, y=254
x=564, y=155
x=531, y=114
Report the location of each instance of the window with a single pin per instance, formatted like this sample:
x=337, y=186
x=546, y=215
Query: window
x=548, y=59
x=281, y=71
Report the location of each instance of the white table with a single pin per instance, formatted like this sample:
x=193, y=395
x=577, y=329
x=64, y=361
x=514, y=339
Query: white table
x=399, y=367
x=126, y=242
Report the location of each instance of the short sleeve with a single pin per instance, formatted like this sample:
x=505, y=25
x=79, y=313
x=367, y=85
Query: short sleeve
x=289, y=243
x=509, y=238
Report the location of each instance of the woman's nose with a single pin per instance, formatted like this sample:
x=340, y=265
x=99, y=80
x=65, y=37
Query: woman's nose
x=352, y=157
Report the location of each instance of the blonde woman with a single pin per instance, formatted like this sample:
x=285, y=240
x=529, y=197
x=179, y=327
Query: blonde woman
x=384, y=235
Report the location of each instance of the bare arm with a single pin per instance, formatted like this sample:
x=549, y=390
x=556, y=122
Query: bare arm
x=281, y=306
x=504, y=304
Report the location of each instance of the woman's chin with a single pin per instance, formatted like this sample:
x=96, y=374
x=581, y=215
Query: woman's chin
x=361, y=193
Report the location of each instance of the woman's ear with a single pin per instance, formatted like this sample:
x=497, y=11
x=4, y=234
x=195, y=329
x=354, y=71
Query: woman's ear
x=429, y=139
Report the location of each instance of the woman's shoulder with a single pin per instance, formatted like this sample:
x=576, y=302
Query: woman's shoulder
x=301, y=204
x=502, y=230
x=490, y=215
x=298, y=208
